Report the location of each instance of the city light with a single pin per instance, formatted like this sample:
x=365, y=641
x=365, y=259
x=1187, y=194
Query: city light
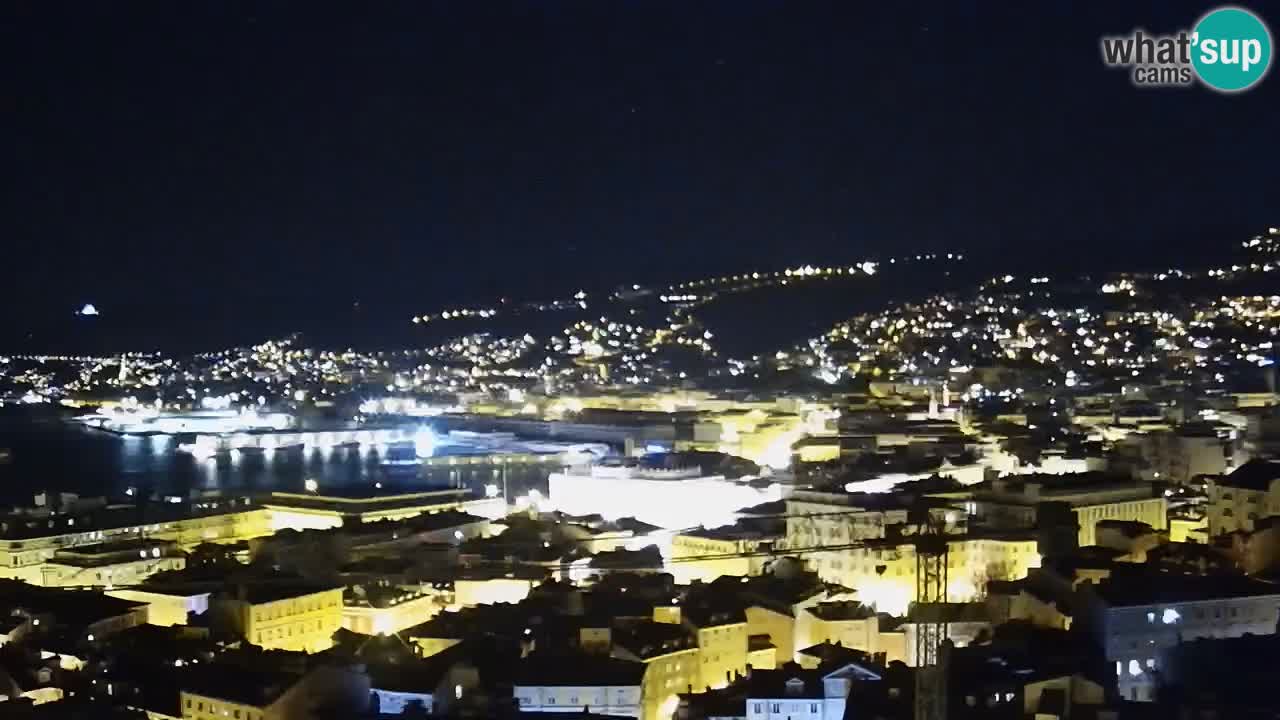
x=424, y=443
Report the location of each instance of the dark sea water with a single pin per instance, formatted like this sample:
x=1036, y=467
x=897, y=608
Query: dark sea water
x=48, y=454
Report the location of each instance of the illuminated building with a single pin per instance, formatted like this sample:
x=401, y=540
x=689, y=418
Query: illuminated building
x=721, y=637
x=797, y=694
x=877, y=476
x=774, y=605
x=402, y=684
x=875, y=553
x=983, y=556
x=672, y=499
x=817, y=519
x=1013, y=501
x=630, y=432
x=595, y=535
x=384, y=611
x=1189, y=527
x=1178, y=456
x=302, y=511
x=28, y=541
x=165, y=606
x=577, y=683
x=1021, y=600
x=451, y=628
x=776, y=623
x=318, y=552
x=61, y=625
x=210, y=703
x=473, y=588
x=706, y=554
x=1136, y=616
x=829, y=448
x=964, y=624
x=849, y=624
x=762, y=432
x=670, y=657
x=1238, y=500
x=761, y=652
x=126, y=562
x=227, y=692
x=884, y=571
x=430, y=646
x=204, y=422
x=281, y=615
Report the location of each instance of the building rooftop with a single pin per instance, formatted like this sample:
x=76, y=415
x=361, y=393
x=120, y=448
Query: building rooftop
x=132, y=545
x=497, y=619
x=68, y=607
x=269, y=591
x=846, y=610
x=27, y=526
x=828, y=653
x=1128, y=528
x=1257, y=474
x=705, y=616
x=773, y=507
x=578, y=669
x=243, y=686
x=409, y=673
x=948, y=612
x=1142, y=587
x=355, y=503
x=775, y=593
x=648, y=639
x=789, y=681
x=1070, y=487
x=745, y=529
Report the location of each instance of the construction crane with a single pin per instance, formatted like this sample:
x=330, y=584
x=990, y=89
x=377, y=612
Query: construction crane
x=931, y=624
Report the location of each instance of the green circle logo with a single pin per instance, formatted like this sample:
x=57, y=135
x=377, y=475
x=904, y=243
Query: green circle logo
x=1231, y=49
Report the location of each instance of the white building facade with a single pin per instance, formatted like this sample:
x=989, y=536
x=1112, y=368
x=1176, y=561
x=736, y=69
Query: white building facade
x=624, y=700
x=1134, y=636
x=673, y=499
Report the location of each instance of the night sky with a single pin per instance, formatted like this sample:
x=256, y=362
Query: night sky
x=216, y=171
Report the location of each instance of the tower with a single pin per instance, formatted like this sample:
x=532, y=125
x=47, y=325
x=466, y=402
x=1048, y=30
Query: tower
x=931, y=625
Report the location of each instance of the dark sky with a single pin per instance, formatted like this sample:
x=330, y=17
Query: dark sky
x=242, y=167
